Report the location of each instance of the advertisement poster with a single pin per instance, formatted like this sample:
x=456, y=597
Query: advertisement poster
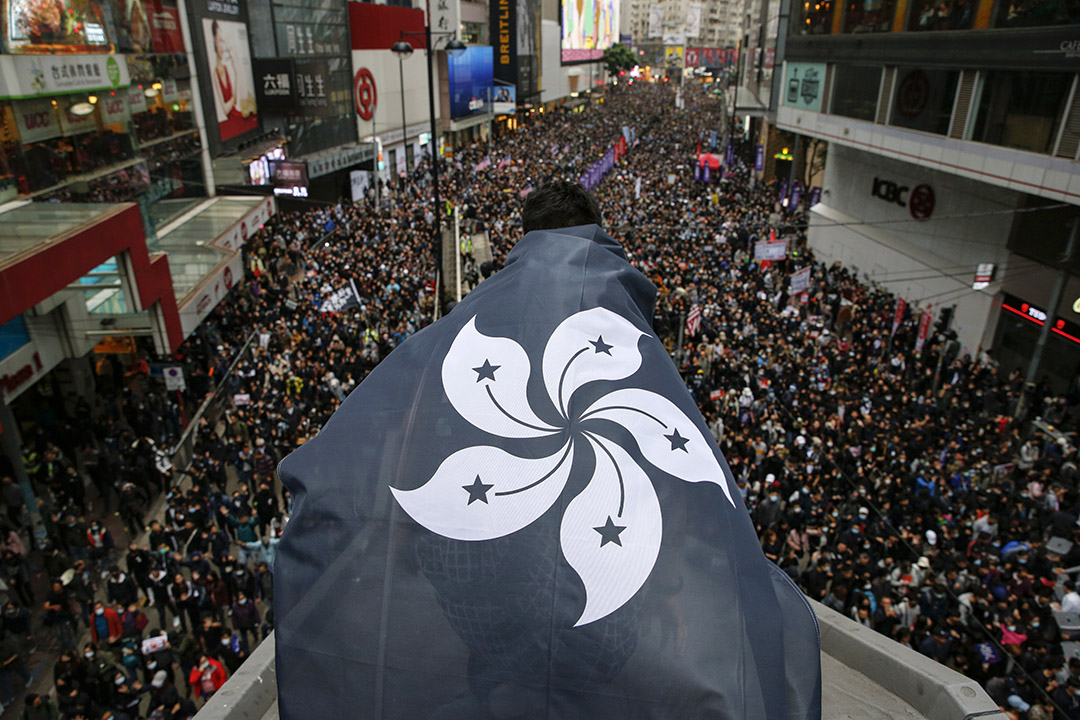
x=503, y=99
x=164, y=19
x=588, y=28
x=43, y=23
x=229, y=60
x=470, y=77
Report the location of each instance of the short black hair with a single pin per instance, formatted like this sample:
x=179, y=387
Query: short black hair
x=559, y=204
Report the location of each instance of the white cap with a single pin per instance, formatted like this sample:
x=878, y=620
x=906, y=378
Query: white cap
x=931, y=537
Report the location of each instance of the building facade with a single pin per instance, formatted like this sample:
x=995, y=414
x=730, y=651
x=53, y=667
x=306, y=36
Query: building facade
x=952, y=145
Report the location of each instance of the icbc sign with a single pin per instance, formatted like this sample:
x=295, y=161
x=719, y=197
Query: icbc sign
x=366, y=96
x=919, y=201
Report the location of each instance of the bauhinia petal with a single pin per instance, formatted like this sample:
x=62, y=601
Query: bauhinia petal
x=667, y=438
x=485, y=379
x=483, y=492
x=611, y=532
x=590, y=345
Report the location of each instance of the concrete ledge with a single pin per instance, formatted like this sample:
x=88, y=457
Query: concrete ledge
x=250, y=693
x=864, y=668
x=937, y=692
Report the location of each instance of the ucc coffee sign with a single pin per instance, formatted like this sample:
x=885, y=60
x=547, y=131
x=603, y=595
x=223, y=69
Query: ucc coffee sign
x=36, y=120
x=919, y=200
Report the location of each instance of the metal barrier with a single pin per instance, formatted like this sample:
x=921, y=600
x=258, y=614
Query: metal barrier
x=184, y=450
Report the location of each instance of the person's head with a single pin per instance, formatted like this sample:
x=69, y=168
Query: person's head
x=559, y=204
x=215, y=30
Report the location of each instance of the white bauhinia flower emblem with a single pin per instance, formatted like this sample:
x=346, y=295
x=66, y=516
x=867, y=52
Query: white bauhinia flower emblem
x=611, y=531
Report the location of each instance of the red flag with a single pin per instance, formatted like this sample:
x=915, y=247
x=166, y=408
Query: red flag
x=900, y=305
x=924, y=328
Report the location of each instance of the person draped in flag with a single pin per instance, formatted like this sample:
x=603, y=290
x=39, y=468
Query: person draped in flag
x=521, y=513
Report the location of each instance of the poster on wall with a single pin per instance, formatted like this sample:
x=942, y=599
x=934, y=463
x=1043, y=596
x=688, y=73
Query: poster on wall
x=164, y=19
x=588, y=28
x=229, y=60
x=470, y=76
x=35, y=25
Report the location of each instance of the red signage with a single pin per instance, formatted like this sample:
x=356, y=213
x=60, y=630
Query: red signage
x=924, y=328
x=901, y=304
x=164, y=26
x=366, y=95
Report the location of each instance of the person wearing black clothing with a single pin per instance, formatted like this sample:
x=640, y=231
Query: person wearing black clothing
x=121, y=588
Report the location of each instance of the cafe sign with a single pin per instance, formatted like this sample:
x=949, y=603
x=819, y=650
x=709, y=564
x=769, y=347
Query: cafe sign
x=24, y=76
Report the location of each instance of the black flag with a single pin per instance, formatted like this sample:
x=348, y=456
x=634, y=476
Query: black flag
x=343, y=298
x=521, y=514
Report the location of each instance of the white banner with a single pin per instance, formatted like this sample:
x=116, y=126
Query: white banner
x=113, y=109
x=24, y=76
x=359, y=181
x=36, y=120
x=136, y=101
x=800, y=281
x=656, y=20
x=72, y=124
x=239, y=233
x=693, y=20
x=210, y=293
x=770, y=251
x=446, y=16
x=170, y=91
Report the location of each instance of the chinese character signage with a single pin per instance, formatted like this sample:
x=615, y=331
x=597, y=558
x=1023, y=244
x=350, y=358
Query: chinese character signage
x=48, y=75
x=445, y=16
x=804, y=85
x=312, y=87
x=274, y=85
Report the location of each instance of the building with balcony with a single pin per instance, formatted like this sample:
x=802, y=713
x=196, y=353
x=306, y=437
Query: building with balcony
x=953, y=135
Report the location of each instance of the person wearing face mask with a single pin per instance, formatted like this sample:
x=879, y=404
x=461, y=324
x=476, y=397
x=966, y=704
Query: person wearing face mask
x=207, y=677
x=230, y=652
x=246, y=619
x=105, y=625
x=100, y=668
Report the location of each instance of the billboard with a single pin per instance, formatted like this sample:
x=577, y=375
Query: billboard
x=515, y=36
x=231, y=82
x=223, y=58
x=503, y=99
x=803, y=86
x=470, y=76
x=588, y=28
x=289, y=177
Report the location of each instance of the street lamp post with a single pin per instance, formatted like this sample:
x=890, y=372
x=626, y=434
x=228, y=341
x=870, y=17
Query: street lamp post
x=454, y=47
x=403, y=50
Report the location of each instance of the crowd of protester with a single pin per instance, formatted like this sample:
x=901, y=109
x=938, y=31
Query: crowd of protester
x=893, y=485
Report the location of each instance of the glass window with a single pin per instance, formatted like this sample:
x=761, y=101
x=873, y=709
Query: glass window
x=863, y=16
x=1036, y=13
x=1021, y=109
x=941, y=15
x=924, y=99
x=815, y=17
x=855, y=91
x=474, y=33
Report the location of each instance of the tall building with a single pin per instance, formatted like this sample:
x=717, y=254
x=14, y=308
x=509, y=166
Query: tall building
x=950, y=134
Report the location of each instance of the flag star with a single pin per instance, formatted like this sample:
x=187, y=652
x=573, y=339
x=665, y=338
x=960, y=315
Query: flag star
x=609, y=532
x=477, y=491
x=601, y=346
x=486, y=371
x=677, y=441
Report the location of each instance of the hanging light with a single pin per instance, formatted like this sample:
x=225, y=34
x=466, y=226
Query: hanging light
x=455, y=48
x=92, y=99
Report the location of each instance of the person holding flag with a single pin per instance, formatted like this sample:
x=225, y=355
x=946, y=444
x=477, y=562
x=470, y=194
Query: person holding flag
x=521, y=513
